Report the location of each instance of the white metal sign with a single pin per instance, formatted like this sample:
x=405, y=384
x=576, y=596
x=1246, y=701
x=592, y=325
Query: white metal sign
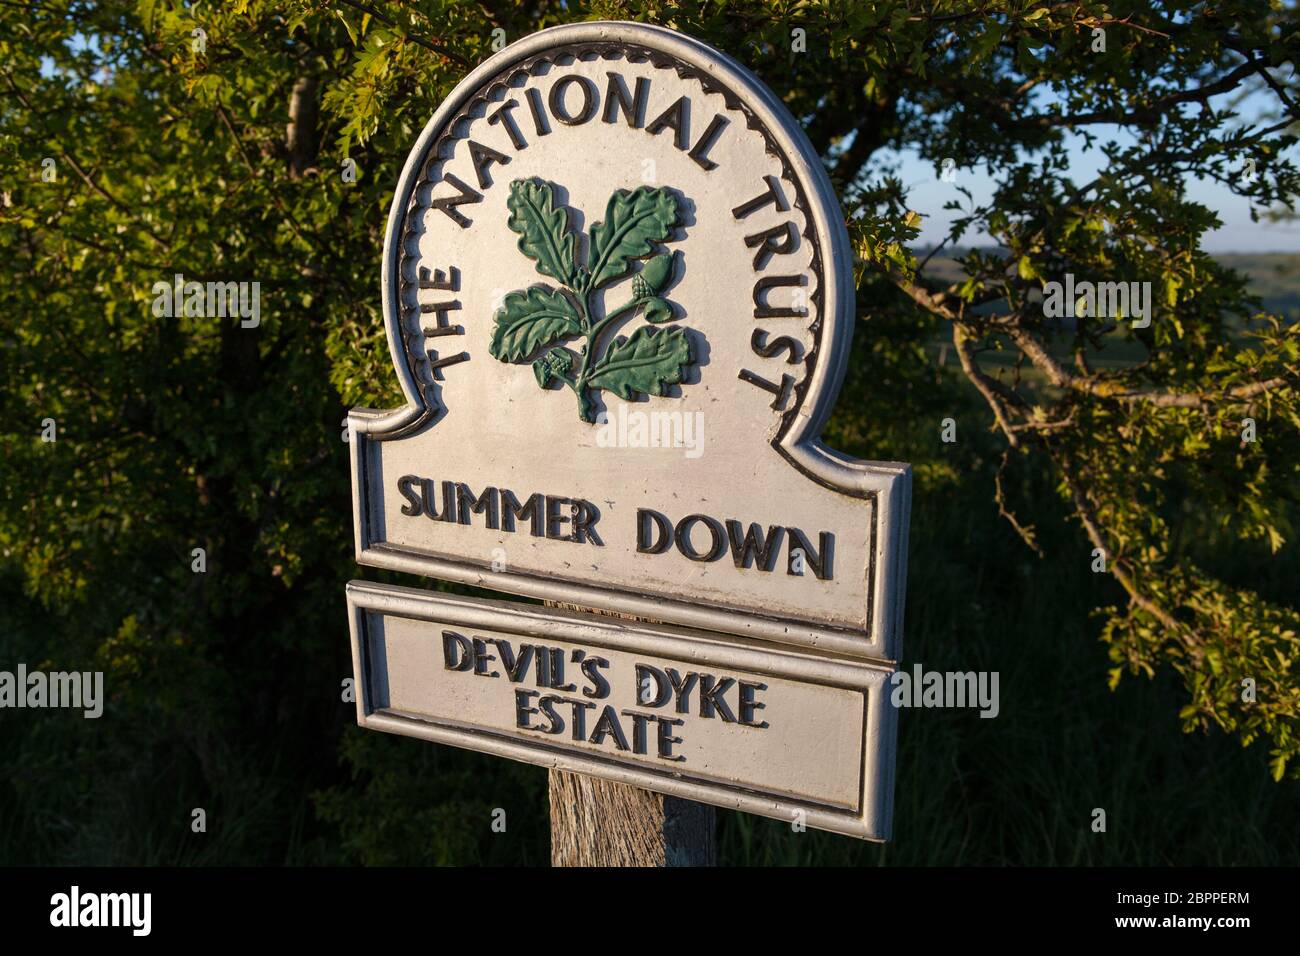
x=723, y=720
x=619, y=298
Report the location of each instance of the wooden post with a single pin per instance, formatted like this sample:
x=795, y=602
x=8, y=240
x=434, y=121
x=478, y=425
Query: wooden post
x=601, y=823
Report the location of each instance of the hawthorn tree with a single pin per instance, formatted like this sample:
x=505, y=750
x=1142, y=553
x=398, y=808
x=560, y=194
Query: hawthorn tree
x=260, y=141
x=1194, y=431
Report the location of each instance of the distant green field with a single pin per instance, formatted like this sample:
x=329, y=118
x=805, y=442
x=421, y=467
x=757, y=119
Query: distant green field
x=1274, y=278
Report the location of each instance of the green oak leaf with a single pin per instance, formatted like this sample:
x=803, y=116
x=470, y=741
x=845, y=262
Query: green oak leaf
x=543, y=229
x=646, y=361
x=634, y=222
x=531, y=319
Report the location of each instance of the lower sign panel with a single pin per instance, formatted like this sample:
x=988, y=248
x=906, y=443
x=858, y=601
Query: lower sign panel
x=788, y=734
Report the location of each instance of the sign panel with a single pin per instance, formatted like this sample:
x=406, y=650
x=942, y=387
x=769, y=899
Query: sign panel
x=724, y=720
x=618, y=294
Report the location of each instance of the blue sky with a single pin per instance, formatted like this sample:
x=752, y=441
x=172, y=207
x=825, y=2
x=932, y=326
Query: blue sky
x=928, y=193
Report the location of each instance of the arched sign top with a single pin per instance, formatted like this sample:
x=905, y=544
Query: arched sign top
x=744, y=99
x=610, y=233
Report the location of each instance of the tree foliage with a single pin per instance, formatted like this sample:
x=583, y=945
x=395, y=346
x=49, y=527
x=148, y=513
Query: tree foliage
x=260, y=141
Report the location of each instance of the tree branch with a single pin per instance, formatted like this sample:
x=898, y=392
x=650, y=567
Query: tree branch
x=1062, y=377
x=988, y=387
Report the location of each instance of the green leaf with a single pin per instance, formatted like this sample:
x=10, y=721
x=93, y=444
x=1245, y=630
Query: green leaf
x=986, y=42
x=543, y=229
x=352, y=33
x=634, y=222
x=531, y=319
x=645, y=361
x=1278, y=765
